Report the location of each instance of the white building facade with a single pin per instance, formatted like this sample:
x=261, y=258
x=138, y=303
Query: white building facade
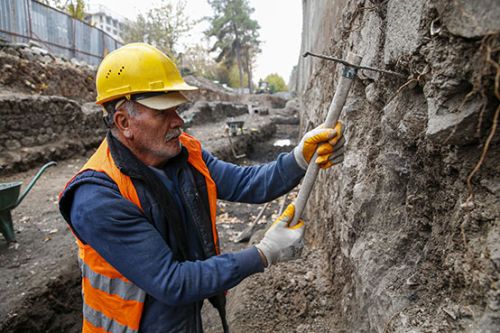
x=105, y=19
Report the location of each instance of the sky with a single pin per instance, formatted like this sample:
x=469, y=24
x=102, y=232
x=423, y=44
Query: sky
x=280, y=32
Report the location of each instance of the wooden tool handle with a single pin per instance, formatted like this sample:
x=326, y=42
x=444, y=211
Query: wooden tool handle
x=332, y=117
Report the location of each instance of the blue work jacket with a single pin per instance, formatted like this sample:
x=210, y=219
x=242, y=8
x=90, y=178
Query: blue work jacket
x=139, y=244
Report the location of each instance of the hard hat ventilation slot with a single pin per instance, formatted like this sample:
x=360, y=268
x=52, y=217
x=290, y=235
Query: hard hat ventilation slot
x=121, y=69
x=107, y=74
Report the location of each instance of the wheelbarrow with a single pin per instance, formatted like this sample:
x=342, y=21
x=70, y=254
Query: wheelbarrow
x=234, y=126
x=10, y=199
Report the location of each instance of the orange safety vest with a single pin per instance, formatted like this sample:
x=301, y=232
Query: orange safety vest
x=112, y=303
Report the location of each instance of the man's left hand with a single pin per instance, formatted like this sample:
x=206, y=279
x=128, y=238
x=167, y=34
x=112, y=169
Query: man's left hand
x=329, y=143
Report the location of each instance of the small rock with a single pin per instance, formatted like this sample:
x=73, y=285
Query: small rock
x=468, y=205
x=12, y=144
x=11, y=51
x=26, y=54
x=29, y=84
x=39, y=50
x=14, y=246
x=449, y=313
x=28, y=141
x=412, y=297
x=309, y=276
x=46, y=59
x=34, y=44
x=411, y=281
x=372, y=93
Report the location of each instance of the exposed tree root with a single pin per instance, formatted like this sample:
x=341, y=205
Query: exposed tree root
x=487, y=43
x=483, y=154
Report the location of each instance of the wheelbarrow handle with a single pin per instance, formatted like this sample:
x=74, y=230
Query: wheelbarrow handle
x=33, y=181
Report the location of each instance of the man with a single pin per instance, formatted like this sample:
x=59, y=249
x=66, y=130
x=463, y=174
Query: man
x=143, y=207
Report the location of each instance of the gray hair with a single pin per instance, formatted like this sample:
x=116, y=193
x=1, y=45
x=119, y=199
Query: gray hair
x=110, y=109
x=129, y=107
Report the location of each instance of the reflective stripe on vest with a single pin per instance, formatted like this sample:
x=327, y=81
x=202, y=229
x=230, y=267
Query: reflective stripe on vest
x=101, y=321
x=114, y=286
x=112, y=303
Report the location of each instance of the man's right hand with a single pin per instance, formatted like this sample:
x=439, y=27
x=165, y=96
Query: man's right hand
x=282, y=242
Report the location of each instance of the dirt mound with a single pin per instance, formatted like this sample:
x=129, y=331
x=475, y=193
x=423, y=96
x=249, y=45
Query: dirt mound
x=56, y=309
x=286, y=298
x=209, y=91
x=206, y=112
x=29, y=69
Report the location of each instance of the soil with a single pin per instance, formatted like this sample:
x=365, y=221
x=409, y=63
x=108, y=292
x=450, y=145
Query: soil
x=40, y=279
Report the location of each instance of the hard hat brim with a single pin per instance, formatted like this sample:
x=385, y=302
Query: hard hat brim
x=163, y=101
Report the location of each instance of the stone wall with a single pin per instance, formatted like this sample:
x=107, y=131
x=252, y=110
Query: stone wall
x=36, y=129
x=407, y=250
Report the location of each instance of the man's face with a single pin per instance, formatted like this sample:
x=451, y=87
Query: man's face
x=154, y=134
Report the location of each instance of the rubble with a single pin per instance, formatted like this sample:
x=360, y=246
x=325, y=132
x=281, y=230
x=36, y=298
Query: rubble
x=32, y=69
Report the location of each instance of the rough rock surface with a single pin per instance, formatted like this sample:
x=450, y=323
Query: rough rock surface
x=470, y=19
x=36, y=128
x=405, y=249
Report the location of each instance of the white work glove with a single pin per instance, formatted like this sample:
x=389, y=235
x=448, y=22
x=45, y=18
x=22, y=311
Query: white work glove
x=329, y=143
x=282, y=242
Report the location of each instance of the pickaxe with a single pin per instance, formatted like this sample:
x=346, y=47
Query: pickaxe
x=351, y=65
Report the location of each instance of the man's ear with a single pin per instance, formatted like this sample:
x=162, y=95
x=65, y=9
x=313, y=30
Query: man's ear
x=122, y=123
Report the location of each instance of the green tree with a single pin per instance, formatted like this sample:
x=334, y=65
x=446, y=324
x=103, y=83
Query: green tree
x=276, y=83
x=76, y=9
x=234, y=77
x=162, y=26
x=236, y=36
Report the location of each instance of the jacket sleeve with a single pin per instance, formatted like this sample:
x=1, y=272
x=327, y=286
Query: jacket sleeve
x=254, y=184
x=119, y=232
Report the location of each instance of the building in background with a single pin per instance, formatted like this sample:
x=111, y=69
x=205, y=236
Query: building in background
x=105, y=19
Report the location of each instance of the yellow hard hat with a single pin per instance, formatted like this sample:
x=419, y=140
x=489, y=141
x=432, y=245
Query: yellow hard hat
x=137, y=68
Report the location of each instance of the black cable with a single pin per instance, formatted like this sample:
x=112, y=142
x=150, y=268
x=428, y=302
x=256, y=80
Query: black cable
x=345, y=63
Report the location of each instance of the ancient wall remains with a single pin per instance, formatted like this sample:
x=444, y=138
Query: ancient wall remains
x=36, y=129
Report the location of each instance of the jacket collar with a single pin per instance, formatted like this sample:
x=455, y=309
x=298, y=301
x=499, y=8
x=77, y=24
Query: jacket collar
x=129, y=164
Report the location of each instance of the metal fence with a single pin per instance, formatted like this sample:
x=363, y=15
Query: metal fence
x=25, y=20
